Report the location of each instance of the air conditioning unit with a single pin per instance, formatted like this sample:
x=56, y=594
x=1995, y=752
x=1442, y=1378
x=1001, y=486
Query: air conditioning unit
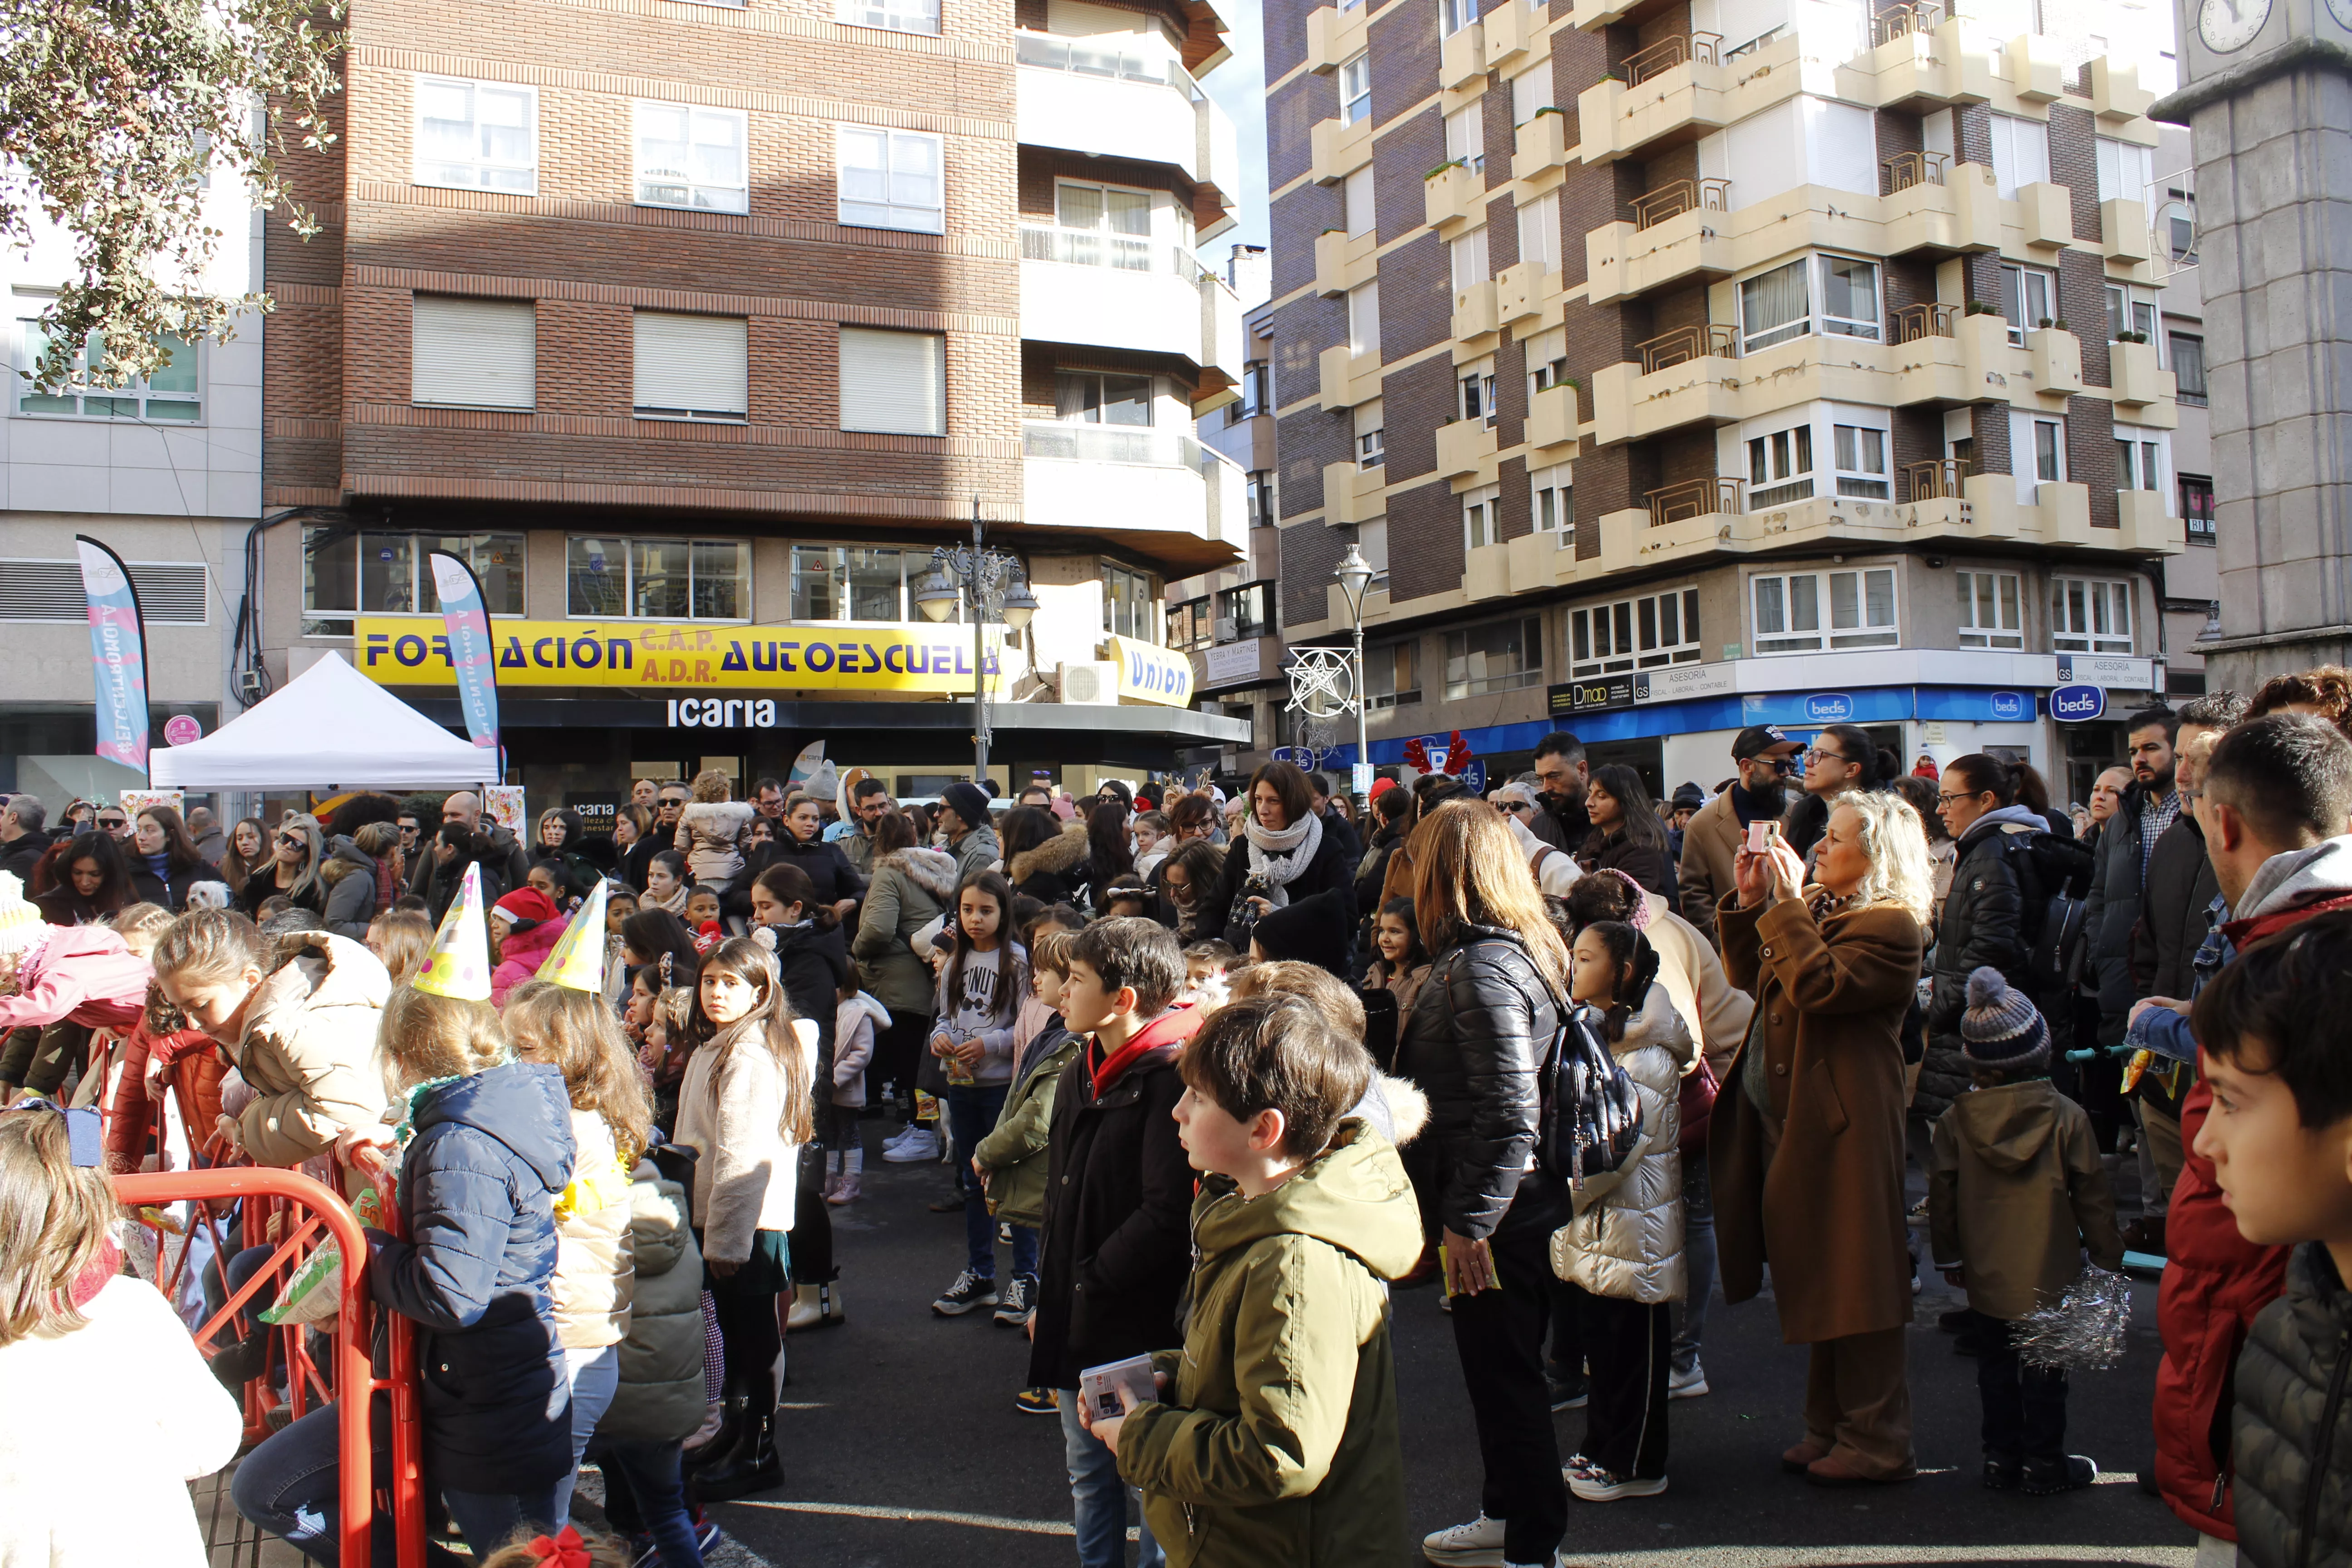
x=1228, y=629
x=1092, y=680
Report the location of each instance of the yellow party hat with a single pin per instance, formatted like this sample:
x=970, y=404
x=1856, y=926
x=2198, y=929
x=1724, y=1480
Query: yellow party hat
x=577, y=960
x=459, y=967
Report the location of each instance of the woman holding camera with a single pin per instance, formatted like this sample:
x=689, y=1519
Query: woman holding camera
x=1285, y=857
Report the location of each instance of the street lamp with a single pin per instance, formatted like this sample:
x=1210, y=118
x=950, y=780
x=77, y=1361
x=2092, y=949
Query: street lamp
x=998, y=590
x=1355, y=574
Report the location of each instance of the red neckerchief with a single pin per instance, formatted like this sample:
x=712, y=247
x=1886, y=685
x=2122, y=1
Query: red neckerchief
x=94, y=1275
x=2254, y=928
x=1173, y=1027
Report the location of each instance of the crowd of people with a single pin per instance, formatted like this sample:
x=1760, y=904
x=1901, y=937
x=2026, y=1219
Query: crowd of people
x=1222, y=1076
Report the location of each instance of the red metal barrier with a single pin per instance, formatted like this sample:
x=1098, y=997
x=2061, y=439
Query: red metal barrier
x=350, y=1379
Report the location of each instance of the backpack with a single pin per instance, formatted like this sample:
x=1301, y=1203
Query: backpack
x=1589, y=1118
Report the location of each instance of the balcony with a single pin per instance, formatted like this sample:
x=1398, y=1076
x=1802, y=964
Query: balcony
x=1938, y=479
x=1334, y=35
x=2123, y=235
x=1693, y=497
x=1474, y=312
x=1350, y=494
x=1540, y=148
x=2134, y=377
x=1552, y=422
x=1919, y=60
x=1520, y=290
x=1134, y=481
x=2116, y=95
x=2147, y=525
x=1348, y=378
x=2036, y=68
x=2054, y=360
x=1928, y=207
x=1092, y=96
x=1127, y=293
x=1465, y=448
x=1336, y=149
x=1462, y=57
x=1679, y=89
x=2046, y=214
x=1680, y=196
x=1454, y=198
x=1509, y=28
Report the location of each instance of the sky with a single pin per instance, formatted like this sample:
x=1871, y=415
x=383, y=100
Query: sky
x=1238, y=87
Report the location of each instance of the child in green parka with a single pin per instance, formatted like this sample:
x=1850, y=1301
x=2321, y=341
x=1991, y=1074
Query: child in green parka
x=1274, y=1437
x=1012, y=1159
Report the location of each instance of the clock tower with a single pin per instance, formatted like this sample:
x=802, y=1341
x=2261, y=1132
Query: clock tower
x=2268, y=101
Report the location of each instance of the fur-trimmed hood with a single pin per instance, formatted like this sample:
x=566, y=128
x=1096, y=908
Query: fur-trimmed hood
x=934, y=870
x=1061, y=855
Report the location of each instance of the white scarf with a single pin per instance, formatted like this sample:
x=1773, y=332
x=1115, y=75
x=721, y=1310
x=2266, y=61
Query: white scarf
x=1278, y=857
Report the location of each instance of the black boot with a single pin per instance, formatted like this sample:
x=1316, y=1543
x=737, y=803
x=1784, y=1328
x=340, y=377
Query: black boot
x=722, y=1444
x=754, y=1467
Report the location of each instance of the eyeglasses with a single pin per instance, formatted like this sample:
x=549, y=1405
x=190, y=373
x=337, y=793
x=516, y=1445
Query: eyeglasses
x=1947, y=796
x=1818, y=755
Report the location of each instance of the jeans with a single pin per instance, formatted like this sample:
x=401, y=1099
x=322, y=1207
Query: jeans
x=595, y=1377
x=288, y=1485
x=1099, y=1499
x=644, y=1494
x=1025, y=1250
x=972, y=1110
x=1698, y=1258
x=2025, y=1406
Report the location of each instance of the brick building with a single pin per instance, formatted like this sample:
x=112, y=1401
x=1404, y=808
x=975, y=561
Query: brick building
x=1689, y=364
x=696, y=327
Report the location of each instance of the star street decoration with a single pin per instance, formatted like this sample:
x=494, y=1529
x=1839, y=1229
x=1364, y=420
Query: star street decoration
x=1322, y=684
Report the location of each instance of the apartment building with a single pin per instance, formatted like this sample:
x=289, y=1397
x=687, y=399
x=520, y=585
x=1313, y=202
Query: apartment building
x=167, y=471
x=1685, y=364
x=696, y=328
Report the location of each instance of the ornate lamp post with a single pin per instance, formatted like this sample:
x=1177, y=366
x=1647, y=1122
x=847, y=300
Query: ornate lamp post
x=1355, y=574
x=998, y=591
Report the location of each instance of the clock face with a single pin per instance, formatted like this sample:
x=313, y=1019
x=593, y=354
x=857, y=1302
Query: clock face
x=2229, y=25
x=2342, y=11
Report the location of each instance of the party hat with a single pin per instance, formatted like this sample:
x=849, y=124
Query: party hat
x=577, y=960
x=459, y=967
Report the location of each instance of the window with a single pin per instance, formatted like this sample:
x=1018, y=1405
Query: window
x=1104, y=226
x=1261, y=498
x=1478, y=396
x=2197, y=507
x=2020, y=154
x=890, y=179
x=1788, y=610
x=1468, y=255
x=1188, y=624
x=1127, y=604
x=2139, y=461
x=1254, y=399
x=1993, y=610
x=478, y=136
x=2090, y=616
x=1372, y=542
x=1644, y=633
x=1781, y=466
x=2049, y=450
x=2126, y=171
x=1501, y=656
x=1093, y=397
x=1531, y=93
x=473, y=353
x=658, y=579
x=892, y=16
x=173, y=395
x=1540, y=232
x=1773, y=308
x=1453, y=15
x=692, y=367
x=1355, y=196
x=1372, y=450
x=852, y=582
x=1250, y=609
x=1392, y=675
x=2188, y=367
x=894, y=382
x=1482, y=521
x=2130, y=311
x=2028, y=298
x=348, y=572
x=1547, y=360
x=1355, y=89
x=1861, y=453
x=689, y=157
x=1849, y=298
x=1465, y=138
x=1555, y=501
x=1364, y=318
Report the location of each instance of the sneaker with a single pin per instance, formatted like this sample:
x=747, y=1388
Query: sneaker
x=1019, y=1300
x=1478, y=1544
x=969, y=1291
x=2001, y=1475
x=901, y=1136
x=1594, y=1484
x=1566, y=1393
x=1691, y=1384
x=844, y=1191
x=1003, y=1233
x=1037, y=1402
x=920, y=1144
x=1918, y=1213
x=707, y=1536
x=639, y=1550
x=2047, y=1478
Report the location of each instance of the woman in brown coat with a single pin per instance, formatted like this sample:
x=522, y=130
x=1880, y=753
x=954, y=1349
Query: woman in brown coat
x=1806, y=1141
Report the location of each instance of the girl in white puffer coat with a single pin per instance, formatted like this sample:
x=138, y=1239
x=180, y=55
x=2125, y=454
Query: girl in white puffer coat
x=1622, y=1251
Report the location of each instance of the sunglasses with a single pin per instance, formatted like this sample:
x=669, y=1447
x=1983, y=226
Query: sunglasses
x=114, y=822
x=293, y=841
x=1517, y=806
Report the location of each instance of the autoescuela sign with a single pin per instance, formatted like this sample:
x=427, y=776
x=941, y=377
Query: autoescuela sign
x=638, y=656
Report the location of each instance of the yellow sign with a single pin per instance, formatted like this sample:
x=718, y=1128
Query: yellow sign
x=641, y=656
x=1149, y=673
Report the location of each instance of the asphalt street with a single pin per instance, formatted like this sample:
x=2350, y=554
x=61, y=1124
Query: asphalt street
x=902, y=1445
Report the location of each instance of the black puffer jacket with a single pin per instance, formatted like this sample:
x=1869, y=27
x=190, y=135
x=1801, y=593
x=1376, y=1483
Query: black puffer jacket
x=2292, y=1439
x=1481, y=1026
x=827, y=867
x=2114, y=909
x=1647, y=864
x=1330, y=868
x=2171, y=926
x=813, y=963
x=1372, y=867
x=2009, y=865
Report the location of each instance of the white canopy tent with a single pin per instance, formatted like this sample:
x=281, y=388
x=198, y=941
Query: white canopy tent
x=329, y=728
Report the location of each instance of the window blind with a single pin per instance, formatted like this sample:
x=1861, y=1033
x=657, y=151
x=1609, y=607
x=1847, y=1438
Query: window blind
x=894, y=382
x=171, y=593
x=692, y=366
x=474, y=354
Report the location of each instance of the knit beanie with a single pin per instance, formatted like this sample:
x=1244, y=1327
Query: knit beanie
x=2002, y=1028
x=21, y=925
x=968, y=803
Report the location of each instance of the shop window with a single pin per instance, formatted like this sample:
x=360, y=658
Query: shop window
x=1127, y=604
x=658, y=579
x=349, y=572
x=852, y=581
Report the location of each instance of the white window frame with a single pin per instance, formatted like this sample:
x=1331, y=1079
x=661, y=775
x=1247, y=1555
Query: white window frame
x=1531, y=643
x=2143, y=461
x=1364, y=318
x=1356, y=194
x=889, y=16
x=2018, y=286
x=2078, y=604
x=1372, y=450
x=1859, y=480
x=1150, y=402
x=1475, y=393
x=890, y=210
x=1540, y=231
x=2126, y=171
x=2134, y=310
x=1467, y=259
x=1453, y=15
x=1356, y=87
x=1380, y=665
x=1531, y=92
x=1616, y=636
x=1753, y=339
x=653, y=191
x=2026, y=427
x=2020, y=154
x=1465, y=135
x=480, y=169
x=626, y=547
x=1551, y=494
x=1482, y=517
x=1991, y=608
x=1871, y=328
x=147, y=404
x=833, y=566
x=1823, y=587
x=1131, y=609
x=1782, y=467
